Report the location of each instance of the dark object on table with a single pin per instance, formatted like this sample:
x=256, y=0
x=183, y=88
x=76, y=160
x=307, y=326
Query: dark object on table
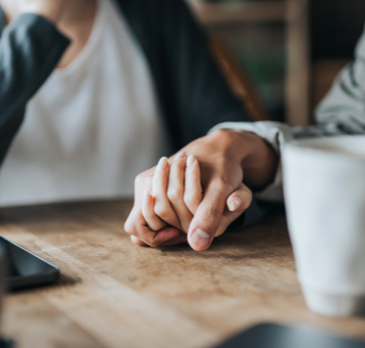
x=4, y=343
x=25, y=268
x=279, y=336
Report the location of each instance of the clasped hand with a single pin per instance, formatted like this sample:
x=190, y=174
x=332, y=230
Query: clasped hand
x=192, y=196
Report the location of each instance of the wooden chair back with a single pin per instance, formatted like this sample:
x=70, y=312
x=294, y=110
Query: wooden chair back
x=238, y=79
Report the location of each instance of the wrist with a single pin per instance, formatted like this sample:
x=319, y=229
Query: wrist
x=257, y=158
x=259, y=163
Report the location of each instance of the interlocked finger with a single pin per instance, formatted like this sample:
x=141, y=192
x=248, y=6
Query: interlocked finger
x=148, y=211
x=193, y=189
x=162, y=206
x=175, y=192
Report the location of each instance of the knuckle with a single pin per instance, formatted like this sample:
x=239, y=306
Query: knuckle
x=211, y=215
x=128, y=226
x=141, y=178
x=137, y=241
x=219, y=183
x=174, y=195
x=131, y=225
x=162, y=211
x=192, y=199
x=153, y=243
x=222, y=184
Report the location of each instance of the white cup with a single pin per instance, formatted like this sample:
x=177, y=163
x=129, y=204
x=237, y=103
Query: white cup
x=324, y=190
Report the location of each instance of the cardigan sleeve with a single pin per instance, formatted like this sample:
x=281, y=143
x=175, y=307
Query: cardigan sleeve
x=342, y=110
x=30, y=48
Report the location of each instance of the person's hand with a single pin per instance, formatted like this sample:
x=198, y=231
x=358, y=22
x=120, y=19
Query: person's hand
x=222, y=155
x=220, y=174
x=136, y=225
x=50, y=9
x=173, y=195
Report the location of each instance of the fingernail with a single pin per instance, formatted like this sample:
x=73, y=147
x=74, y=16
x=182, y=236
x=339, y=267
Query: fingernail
x=234, y=203
x=179, y=156
x=200, y=238
x=146, y=198
x=162, y=163
x=190, y=160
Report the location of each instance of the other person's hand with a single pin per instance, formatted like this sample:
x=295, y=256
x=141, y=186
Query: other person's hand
x=174, y=194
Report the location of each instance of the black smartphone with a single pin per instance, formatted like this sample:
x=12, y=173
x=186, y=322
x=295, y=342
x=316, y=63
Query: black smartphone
x=280, y=336
x=26, y=269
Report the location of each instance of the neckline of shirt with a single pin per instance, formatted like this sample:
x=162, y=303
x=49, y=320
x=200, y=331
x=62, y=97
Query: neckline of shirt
x=90, y=44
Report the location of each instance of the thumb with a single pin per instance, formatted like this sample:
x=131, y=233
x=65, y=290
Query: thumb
x=239, y=200
x=207, y=219
x=237, y=203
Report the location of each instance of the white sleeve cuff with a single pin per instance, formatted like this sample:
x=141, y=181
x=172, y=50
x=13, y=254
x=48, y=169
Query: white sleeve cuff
x=274, y=133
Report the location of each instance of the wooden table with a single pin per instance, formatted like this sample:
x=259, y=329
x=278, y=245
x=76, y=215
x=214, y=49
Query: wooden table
x=116, y=294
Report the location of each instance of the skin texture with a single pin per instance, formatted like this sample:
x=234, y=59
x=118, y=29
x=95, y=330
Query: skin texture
x=177, y=194
x=180, y=205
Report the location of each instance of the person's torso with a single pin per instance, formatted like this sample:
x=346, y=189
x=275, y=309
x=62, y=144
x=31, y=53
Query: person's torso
x=91, y=128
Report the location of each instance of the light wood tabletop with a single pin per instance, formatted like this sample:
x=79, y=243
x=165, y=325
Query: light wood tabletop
x=113, y=293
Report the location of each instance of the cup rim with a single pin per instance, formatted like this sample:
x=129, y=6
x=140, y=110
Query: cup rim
x=300, y=145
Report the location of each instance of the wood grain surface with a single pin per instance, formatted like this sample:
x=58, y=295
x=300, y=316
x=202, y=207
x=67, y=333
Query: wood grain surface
x=116, y=294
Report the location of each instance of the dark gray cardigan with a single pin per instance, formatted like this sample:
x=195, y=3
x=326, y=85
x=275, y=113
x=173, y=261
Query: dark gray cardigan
x=192, y=93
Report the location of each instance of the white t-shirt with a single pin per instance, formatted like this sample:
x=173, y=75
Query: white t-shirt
x=92, y=127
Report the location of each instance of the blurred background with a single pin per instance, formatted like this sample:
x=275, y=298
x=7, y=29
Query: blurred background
x=291, y=50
